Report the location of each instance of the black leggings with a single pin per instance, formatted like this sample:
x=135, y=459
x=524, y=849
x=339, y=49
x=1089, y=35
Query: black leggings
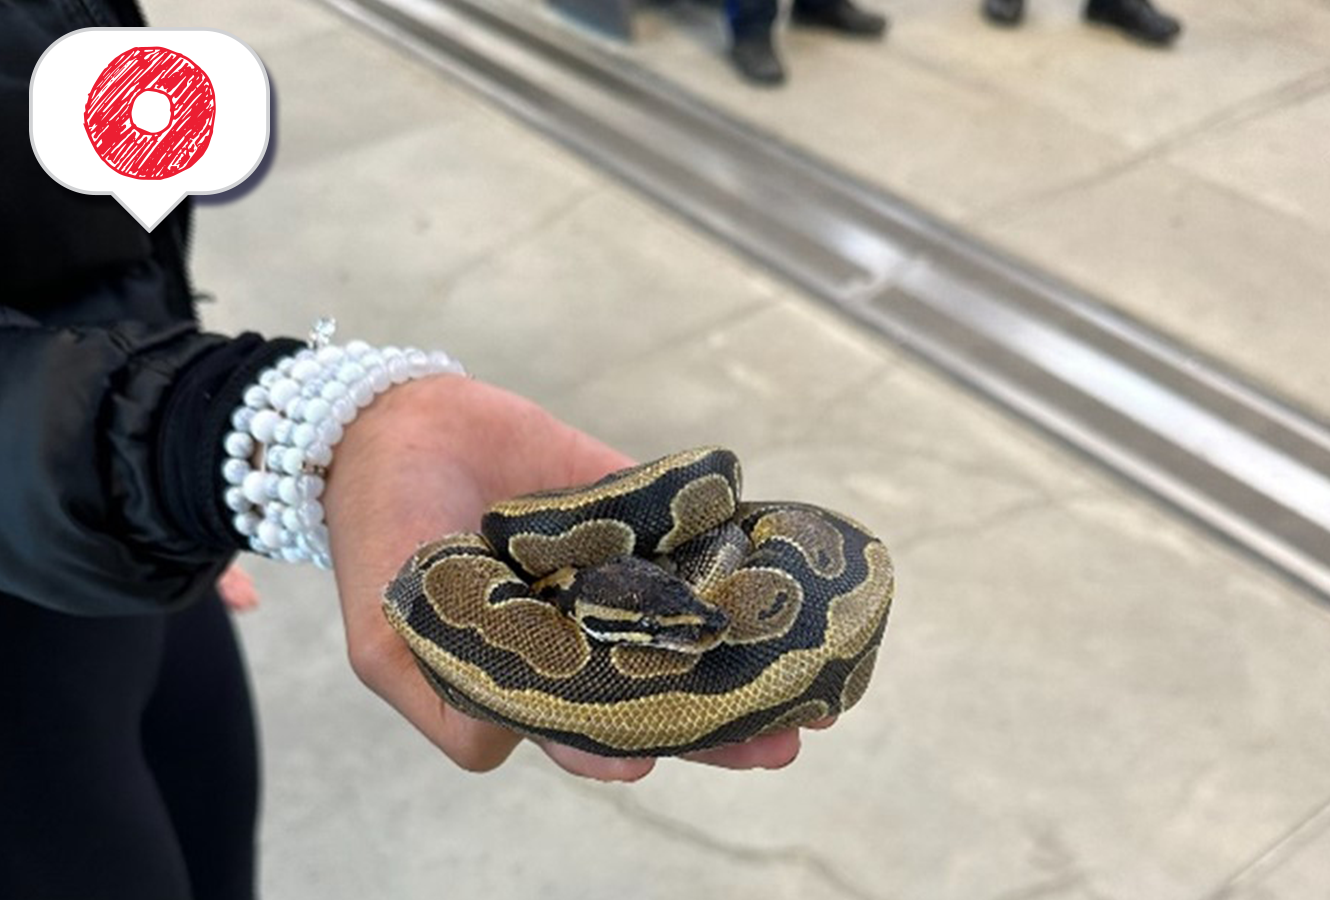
x=128, y=765
x=750, y=17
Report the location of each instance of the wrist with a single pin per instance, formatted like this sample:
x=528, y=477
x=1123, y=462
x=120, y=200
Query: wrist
x=284, y=434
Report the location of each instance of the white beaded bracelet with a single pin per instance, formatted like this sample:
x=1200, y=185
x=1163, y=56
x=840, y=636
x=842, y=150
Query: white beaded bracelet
x=284, y=433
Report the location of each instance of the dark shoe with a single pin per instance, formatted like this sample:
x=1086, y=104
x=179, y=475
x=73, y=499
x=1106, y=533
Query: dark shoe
x=842, y=16
x=1135, y=18
x=756, y=59
x=1004, y=12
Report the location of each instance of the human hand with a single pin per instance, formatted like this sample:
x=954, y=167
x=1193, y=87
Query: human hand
x=427, y=458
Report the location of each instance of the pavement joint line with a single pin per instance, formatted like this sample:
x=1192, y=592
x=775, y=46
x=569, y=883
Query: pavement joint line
x=1273, y=857
x=1275, y=99
x=699, y=838
x=915, y=280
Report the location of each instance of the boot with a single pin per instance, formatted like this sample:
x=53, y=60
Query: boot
x=1004, y=12
x=841, y=16
x=1136, y=19
x=756, y=59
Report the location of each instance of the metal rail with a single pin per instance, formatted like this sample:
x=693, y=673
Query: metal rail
x=1250, y=467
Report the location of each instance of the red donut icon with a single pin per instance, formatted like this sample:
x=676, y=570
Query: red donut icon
x=132, y=150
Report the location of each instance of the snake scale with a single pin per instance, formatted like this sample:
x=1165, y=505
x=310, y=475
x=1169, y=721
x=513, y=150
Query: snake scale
x=649, y=614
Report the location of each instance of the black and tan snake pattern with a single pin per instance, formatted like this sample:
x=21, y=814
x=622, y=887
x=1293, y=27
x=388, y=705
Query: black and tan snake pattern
x=649, y=614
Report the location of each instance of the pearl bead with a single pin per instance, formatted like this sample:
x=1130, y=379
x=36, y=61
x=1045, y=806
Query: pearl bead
x=319, y=454
x=238, y=444
x=282, y=433
x=328, y=355
x=295, y=409
x=254, y=488
x=293, y=462
x=234, y=498
x=313, y=487
x=362, y=392
x=234, y=471
x=310, y=514
x=283, y=391
x=291, y=520
x=397, y=369
x=379, y=379
x=305, y=369
x=344, y=410
x=317, y=410
x=330, y=432
x=269, y=378
x=246, y=523
x=356, y=349
x=264, y=424
x=303, y=435
x=270, y=534
x=256, y=397
x=288, y=490
x=350, y=372
x=332, y=390
x=271, y=481
x=439, y=360
x=241, y=418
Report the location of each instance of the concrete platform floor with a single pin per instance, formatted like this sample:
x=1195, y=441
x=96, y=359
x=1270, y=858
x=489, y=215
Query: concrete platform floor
x=1189, y=187
x=1079, y=697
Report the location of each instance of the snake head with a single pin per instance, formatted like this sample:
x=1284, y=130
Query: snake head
x=629, y=600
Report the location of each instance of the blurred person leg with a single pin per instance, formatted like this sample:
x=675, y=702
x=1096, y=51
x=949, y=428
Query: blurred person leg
x=751, y=47
x=1135, y=18
x=1004, y=12
x=93, y=800
x=841, y=16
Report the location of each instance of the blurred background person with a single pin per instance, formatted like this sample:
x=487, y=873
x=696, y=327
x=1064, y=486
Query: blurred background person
x=1135, y=18
x=752, y=21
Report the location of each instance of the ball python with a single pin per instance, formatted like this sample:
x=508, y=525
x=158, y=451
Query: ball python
x=649, y=614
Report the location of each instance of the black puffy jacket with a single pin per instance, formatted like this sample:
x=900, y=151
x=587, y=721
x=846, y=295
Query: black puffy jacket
x=112, y=403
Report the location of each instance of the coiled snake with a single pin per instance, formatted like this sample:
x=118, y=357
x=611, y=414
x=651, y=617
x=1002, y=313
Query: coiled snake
x=649, y=614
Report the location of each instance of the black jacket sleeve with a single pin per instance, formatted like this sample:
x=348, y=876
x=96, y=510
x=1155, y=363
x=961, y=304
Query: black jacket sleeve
x=113, y=404
x=110, y=490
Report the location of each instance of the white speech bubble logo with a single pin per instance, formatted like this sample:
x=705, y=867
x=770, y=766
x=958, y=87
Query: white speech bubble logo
x=149, y=115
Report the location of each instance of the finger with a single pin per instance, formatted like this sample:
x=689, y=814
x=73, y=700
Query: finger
x=601, y=768
x=770, y=751
x=237, y=589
